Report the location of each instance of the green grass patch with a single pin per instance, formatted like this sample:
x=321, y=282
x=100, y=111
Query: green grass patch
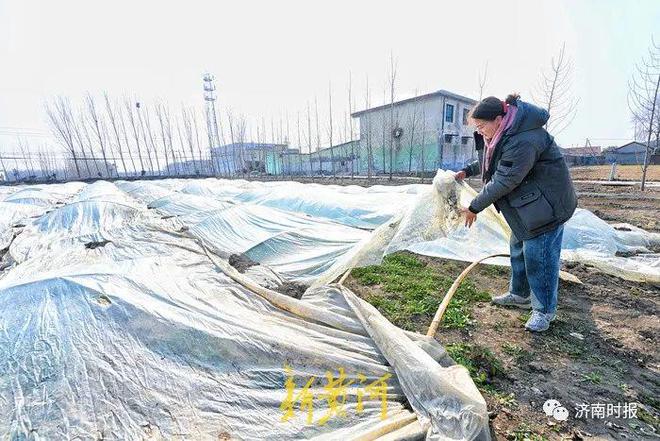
x=482, y=364
x=525, y=316
x=506, y=400
x=512, y=349
x=413, y=291
x=558, y=340
x=649, y=400
x=500, y=325
x=496, y=270
x=648, y=418
x=525, y=433
x=592, y=377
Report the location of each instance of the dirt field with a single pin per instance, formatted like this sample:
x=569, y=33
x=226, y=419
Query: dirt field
x=601, y=349
x=623, y=172
x=622, y=204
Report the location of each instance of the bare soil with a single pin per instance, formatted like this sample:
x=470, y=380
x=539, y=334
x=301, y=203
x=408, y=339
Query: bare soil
x=292, y=289
x=241, y=262
x=602, y=348
x=623, y=172
x=622, y=204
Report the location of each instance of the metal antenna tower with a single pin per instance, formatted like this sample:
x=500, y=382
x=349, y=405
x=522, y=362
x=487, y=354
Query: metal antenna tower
x=211, y=118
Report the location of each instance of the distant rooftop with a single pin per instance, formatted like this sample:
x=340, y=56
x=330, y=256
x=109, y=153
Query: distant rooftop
x=440, y=92
x=582, y=151
x=254, y=145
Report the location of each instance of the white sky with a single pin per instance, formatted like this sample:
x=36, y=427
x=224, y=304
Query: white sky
x=272, y=57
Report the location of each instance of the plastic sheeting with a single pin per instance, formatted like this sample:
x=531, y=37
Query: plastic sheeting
x=587, y=238
x=120, y=325
x=431, y=226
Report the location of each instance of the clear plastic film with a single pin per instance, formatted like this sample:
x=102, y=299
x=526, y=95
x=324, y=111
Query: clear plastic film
x=124, y=320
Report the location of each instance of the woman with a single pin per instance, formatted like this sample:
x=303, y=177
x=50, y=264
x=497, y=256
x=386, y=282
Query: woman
x=526, y=179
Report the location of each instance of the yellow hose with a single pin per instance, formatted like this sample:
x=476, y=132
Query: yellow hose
x=452, y=290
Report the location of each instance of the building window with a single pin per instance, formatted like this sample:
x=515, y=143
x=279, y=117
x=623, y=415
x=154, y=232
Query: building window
x=465, y=140
x=448, y=138
x=466, y=112
x=449, y=113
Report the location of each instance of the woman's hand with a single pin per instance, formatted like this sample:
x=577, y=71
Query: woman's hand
x=470, y=217
x=459, y=176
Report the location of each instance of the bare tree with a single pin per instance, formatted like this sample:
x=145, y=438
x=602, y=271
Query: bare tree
x=643, y=98
x=232, y=138
x=24, y=147
x=202, y=166
x=413, y=120
x=128, y=105
x=188, y=121
x=113, y=122
x=309, y=141
x=656, y=128
x=168, y=135
x=392, y=123
x=423, y=149
x=122, y=122
x=237, y=129
x=60, y=123
x=273, y=138
x=482, y=81
x=241, y=129
x=90, y=145
x=181, y=149
x=141, y=128
x=384, y=131
x=555, y=95
x=99, y=130
x=164, y=133
x=225, y=162
x=330, y=132
x=300, y=167
x=369, y=144
x=288, y=142
x=318, y=136
x=350, y=122
x=44, y=165
x=152, y=139
x=4, y=167
x=77, y=129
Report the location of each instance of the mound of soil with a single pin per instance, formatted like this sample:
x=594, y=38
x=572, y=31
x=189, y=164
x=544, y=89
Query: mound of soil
x=94, y=244
x=292, y=289
x=241, y=262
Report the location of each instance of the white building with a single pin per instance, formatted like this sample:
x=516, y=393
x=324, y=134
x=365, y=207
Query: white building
x=432, y=129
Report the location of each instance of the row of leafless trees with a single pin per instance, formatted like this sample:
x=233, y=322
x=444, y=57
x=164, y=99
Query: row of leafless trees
x=26, y=162
x=124, y=137
x=105, y=137
x=111, y=137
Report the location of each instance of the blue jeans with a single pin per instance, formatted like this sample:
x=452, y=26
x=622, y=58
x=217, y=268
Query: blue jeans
x=535, y=269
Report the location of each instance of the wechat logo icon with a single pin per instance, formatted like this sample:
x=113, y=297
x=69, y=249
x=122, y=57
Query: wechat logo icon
x=554, y=409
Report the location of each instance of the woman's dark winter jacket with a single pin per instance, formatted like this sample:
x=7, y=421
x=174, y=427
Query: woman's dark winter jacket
x=528, y=180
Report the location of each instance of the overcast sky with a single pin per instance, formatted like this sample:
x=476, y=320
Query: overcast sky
x=272, y=57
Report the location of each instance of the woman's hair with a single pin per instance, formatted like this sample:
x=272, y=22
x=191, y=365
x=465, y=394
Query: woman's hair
x=490, y=108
